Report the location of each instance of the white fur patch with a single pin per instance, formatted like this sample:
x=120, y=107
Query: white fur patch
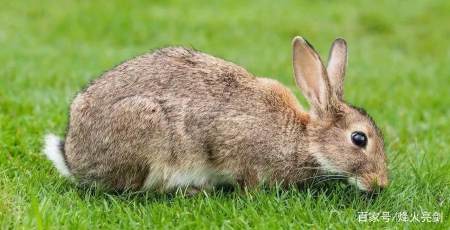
x=357, y=182
x=53, y=152
x=325, y=163
x=166, y=177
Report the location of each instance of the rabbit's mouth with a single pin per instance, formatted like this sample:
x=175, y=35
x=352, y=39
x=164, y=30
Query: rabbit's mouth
x=369, y=183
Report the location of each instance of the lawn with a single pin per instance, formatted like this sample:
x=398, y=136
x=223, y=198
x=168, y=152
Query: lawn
x=398, y=70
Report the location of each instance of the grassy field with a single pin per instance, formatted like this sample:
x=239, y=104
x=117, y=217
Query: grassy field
x=398, y=70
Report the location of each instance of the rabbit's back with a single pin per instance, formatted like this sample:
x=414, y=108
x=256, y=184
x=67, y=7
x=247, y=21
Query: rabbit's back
x=177, y=71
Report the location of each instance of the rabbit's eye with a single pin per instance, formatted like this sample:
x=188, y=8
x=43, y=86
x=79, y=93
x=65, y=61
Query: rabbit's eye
x=359, y=138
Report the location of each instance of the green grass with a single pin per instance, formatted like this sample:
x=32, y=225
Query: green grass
x=398, y=70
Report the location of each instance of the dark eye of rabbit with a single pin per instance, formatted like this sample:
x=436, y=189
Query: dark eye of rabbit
x=359, y=138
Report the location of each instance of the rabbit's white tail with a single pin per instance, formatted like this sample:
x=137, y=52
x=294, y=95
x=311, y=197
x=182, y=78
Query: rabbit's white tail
x=53, y=149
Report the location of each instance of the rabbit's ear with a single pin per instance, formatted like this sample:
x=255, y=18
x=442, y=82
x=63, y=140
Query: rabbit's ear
x=311, y=76
x=337, y=62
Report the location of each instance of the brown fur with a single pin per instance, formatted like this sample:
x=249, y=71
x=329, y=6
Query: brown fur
x=177, y=110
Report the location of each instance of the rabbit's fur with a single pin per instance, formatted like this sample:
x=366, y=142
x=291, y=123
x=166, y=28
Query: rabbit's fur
x=179, y=118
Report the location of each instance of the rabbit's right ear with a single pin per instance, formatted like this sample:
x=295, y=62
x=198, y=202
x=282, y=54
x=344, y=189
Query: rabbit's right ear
x=337, y=62
x=311, y=76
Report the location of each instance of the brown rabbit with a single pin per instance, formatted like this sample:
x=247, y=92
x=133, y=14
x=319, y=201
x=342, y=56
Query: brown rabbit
x=178, y=118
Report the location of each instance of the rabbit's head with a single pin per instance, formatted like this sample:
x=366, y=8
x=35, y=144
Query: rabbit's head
x=343, y=139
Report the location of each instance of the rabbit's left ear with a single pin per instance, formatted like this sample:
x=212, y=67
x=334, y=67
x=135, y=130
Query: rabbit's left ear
x=311, y=76
x=337, y=63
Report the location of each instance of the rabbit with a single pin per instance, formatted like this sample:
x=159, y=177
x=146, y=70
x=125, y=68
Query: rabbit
x=178, y=118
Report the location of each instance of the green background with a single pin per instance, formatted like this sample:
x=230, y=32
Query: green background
x=398, y=70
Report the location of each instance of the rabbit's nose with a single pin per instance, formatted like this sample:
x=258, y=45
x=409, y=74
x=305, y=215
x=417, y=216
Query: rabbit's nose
x=383, y=181
x=378, y=183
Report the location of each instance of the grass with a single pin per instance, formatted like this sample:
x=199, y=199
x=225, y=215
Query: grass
x=398, y=70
